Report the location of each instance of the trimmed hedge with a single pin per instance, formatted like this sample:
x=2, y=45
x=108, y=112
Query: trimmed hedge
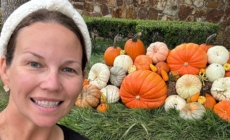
x=172, y=33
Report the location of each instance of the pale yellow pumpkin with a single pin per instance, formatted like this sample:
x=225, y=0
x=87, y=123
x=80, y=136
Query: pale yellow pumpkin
x=188, y=85
x=117, y=74
x=99, y=75
x=111, y=93
x=123, y=61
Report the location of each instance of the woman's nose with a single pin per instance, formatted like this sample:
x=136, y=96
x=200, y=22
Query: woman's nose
x=51, y=81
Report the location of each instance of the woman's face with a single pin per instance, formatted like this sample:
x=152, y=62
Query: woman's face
x=45, y=76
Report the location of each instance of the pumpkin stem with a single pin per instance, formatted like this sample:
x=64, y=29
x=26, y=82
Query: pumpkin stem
x=134, y=39
x=209, y=38
x=115, y=40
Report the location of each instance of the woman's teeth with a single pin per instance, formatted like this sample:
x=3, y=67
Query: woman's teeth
x=47, y=104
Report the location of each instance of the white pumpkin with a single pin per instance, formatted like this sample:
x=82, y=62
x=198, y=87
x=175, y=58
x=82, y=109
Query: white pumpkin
x=218, y=54
x=174, y=102
x=220, y=89
x=214, y=71
x=111, y=93
x=99, y=75
x=192, y=111
x=123, y=61
x=188, y=85
x=117, y=74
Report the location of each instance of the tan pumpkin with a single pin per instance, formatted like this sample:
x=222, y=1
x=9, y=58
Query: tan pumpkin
x=192, y=111
x=111, y=93
x=99, y=75
x=220, y=89
x=89, y=97
x=117, y=74
x=158, y=51
x=188, y=85
x=123, y=61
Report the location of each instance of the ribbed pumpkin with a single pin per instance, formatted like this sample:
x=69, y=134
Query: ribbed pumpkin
x=222, y=109
x=134, y=47
x=142, y=62
x=143, y=89
x=158, y=51
x=89, y=97
x=188, y=85
x=192, y=111
x=111, y=53
x=187, y=58
x=117, y=74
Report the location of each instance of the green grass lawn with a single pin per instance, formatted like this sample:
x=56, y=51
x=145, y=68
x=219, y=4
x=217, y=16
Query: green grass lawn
x=122, y=123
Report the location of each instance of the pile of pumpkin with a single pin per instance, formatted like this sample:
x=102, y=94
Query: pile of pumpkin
x=143, y=78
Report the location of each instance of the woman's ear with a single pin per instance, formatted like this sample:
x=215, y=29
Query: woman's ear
x=3, y=71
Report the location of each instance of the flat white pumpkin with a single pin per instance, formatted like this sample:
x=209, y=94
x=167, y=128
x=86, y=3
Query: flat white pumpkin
x=99, y=75
x=174, y=102
x=214, y=71
x=188, y=85
x=123, y=61
x=111, y=93
x=220, y=89
x=217, y=54
x=192, y=111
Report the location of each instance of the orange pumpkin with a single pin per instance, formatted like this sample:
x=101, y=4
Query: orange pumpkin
x=210, y=101
x=143, y=89
x=103, y=107
x=89, y=97
x=205, y=46
x=162, y=65
x=222, y=109
x=85, y=82
x=228, y=58
x=142, y=62
x=227, y=74
x=111, y=53
x=134, y=47
x=187, y=58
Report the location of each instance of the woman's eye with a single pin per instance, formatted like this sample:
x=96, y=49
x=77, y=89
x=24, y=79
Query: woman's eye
x=34, y=64
x=69, y=70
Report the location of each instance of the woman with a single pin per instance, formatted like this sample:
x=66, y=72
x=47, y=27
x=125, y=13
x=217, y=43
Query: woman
x=45, y=46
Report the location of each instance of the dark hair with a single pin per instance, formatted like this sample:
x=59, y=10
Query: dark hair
x=44, y=15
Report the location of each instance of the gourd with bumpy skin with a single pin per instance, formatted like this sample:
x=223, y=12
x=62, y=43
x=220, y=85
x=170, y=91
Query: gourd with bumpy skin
x=220, y=89
x=174, y=102
x=192, y=111
x=143, y=89
x=218, y=54
x=89, y=97
x=187, y=58
x=158, y=51
x=111, y=93
x=214, y=71
x=188, y=85
x=123, y=61
x=117, y=74
x=99, y=75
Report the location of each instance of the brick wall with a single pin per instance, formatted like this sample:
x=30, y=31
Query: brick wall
x=215, y=11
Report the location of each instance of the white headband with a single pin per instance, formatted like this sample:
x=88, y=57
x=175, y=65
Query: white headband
x=63, y=6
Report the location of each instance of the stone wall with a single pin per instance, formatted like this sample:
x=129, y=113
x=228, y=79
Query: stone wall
x=215, y=11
